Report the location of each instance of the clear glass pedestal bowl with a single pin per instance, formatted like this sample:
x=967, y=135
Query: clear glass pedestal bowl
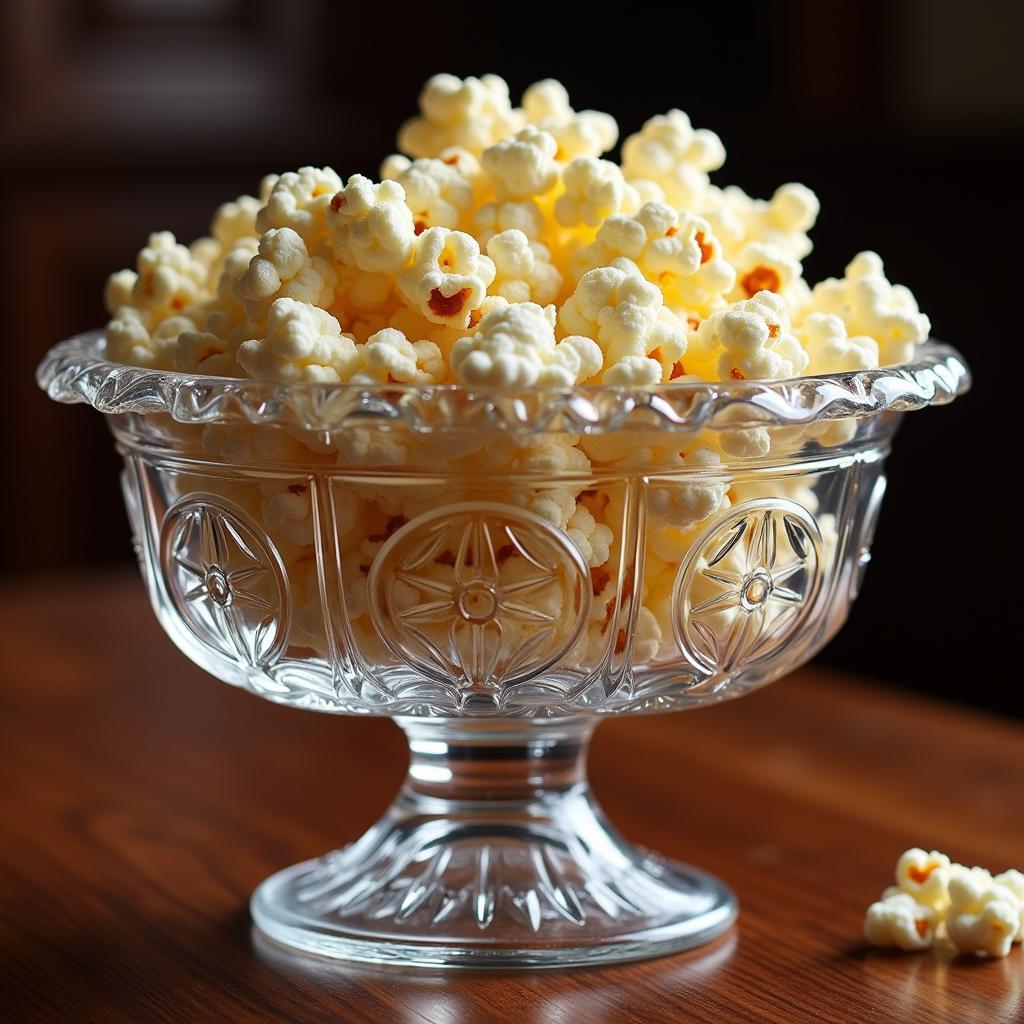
x=498, y=572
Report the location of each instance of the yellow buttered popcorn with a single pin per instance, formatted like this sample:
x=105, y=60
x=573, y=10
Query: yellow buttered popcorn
x=523, y=165
x=586, y=133
x=371, y=225
x=299, y=200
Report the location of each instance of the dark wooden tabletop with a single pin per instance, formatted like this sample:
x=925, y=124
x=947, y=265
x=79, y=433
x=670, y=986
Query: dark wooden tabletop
x=141, y=802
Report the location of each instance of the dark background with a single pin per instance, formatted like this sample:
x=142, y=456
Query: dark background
x=118, y=117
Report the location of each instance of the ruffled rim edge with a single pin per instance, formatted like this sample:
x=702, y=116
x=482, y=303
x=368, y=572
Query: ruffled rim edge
x=76, y=371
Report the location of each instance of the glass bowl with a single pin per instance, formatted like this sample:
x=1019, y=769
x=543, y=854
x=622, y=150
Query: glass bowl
x=497, y=571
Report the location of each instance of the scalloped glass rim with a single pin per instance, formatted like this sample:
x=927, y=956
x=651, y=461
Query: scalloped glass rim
x=77, y=371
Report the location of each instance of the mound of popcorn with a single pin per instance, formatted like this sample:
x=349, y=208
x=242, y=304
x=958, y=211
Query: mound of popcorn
x=935, y=900
x=500, y=248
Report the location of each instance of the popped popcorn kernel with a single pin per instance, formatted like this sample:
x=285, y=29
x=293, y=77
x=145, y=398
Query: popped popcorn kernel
x=523, y=271
x=587, y=133
x=830, y=350
x=282, y=268
x=448, y=278
x=594, y=190
x=436, y=192
x=870, y=305
x=675, y=156
x=372, y=227
x=523, y=165
x=299, y=200
x=471, y=113
x=302, y=342
x=984, y=917
x=898, y=920
x=514, y=346
x=388, y=357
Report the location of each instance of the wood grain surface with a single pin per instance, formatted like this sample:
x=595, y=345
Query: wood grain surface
x=141, y=802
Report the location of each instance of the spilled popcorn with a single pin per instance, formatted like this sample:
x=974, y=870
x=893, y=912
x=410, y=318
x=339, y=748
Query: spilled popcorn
x=667, y=275
x=933, y=898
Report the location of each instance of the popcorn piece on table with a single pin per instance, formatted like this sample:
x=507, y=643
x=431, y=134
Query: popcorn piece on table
x=755, y=335
x=371, y=225
x=523, y=165
x=514, y=346
x=624, y=314
x=302, y=342
x=282, y=268
x=1014, y=881
x=587, y=133
x=671, y=153
x=984, y=917
x=436, y=192
x=594, y=190
x=925, y=876
x=448, y=277
x=472, y=113
x=899, y=920
x=523, y=271
x=869, y=304
x=300, y=200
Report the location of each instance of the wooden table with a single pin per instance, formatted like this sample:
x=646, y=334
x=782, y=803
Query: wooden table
x=142, y=802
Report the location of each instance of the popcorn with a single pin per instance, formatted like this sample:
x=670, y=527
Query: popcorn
x=523, y=165
x=924, y=876
x=500, y=250
x=493, y=218
x=1014, y=881
x=448, y=278
x=898, y=920
x=782, y=222
x=523, y=272
x=762, y=267
x=167, y=280
x=755, y=336
x=828, y=348
x=868, y=304
x=436, y=192
x=389, y=357
x=300, y=200
x=984, y=917
x=473, y=113
x=593, y=539
x=594, y=190
x=671, y=153
x=514, y=346
x=588, y=133
x=372, y=228
x=129, y=339
x=235, y=220
x=684, y=504
x=302, y=342
x=623, y=313
x=283, y=268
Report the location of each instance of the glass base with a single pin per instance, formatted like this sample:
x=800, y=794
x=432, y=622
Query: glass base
x=494, y=854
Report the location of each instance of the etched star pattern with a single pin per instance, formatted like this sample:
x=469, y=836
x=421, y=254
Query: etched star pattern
x=766, y=594
x=475, y=641
x=220, y=576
